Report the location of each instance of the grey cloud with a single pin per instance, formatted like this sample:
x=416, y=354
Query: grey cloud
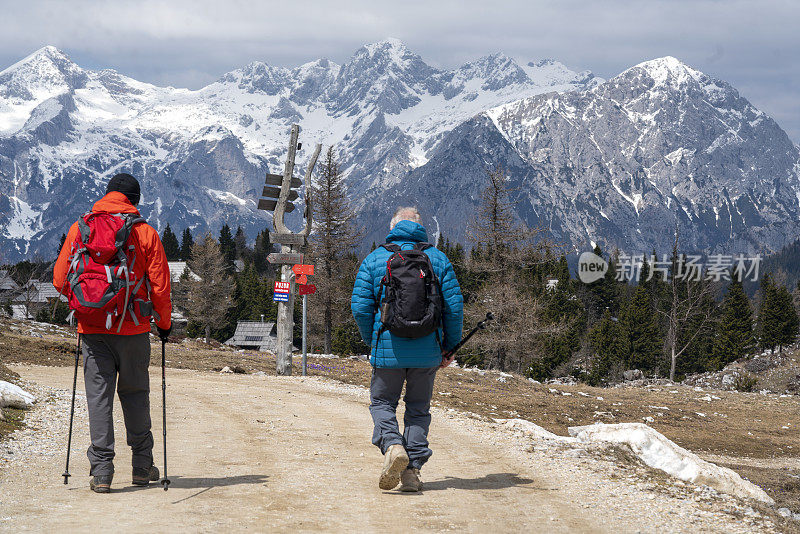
x=753, y=45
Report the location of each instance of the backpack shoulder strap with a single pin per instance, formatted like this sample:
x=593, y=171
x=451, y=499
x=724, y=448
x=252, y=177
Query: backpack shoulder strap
x=422, y=246
x=129, y=220
x=391, y=247
x=83, y=228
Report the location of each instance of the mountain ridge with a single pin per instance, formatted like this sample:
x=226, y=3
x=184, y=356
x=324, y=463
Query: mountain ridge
x=201, y=154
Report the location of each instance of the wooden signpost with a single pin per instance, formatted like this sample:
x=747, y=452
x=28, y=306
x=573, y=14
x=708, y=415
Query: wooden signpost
x=277, y=197
x=285, y=258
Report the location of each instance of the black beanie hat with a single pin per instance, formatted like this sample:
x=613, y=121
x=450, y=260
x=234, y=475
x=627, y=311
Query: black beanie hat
x=127, y=185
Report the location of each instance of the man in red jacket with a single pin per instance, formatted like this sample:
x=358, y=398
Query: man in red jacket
x=120, y=357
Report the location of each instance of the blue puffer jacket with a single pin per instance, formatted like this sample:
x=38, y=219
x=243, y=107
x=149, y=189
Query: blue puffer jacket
x=398, y=352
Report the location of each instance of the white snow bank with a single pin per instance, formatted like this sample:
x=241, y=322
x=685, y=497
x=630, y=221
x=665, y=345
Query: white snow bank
x=12, y=396
x=532, y=429
x=659, y=452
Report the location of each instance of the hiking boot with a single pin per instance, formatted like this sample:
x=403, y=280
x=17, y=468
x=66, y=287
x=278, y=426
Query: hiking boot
x=395, y=460
x=409, y=480
x=101, y=483
x=142, y=476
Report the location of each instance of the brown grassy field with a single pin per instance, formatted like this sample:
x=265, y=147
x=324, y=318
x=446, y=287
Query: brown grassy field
x=755, y=434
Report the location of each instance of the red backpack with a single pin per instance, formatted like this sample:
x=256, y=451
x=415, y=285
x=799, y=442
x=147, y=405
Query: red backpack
x=102, y=275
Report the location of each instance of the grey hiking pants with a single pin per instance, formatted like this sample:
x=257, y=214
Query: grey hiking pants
x=385, y=389
x=117, y=362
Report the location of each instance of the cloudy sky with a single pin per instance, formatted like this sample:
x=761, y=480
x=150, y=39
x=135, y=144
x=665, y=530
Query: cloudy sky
x=754, y=45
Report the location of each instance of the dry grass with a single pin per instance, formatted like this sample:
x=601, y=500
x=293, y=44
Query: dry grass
x=735, y=425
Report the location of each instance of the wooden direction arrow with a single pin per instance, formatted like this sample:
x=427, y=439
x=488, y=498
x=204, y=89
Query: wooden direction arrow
x=285, y=258
x=269, y=205
x=287, y=239
x=275, y=192
x=277, y=179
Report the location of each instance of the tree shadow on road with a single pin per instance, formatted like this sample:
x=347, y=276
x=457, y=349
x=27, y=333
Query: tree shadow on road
x=492, y=481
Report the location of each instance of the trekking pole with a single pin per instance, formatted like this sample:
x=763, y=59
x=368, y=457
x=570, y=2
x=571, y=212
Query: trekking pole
x=66, y=474
x=480, y=326
x=165, y=481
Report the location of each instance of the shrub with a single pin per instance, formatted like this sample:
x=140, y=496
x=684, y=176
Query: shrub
x=745, y=383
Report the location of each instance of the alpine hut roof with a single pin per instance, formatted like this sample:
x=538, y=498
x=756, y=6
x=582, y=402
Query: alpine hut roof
x=262, y=336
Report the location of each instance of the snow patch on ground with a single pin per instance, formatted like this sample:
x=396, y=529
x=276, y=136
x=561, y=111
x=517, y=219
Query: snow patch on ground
x=12, y=396
x=658, y=452
x=650, y=446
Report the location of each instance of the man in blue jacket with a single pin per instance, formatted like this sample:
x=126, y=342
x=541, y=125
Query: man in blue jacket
x=397, y=359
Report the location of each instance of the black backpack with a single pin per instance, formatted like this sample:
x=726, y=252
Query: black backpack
x=412, y=302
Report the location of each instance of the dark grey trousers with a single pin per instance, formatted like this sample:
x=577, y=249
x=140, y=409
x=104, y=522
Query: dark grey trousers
x=385, y=389
x=117, y=362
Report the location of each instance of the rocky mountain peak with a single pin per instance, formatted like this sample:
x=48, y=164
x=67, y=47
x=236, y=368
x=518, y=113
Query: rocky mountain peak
x=495, y=71
x=43, y=74
x=665, y=71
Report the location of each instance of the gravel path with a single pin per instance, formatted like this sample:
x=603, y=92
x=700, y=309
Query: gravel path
x=272, y=453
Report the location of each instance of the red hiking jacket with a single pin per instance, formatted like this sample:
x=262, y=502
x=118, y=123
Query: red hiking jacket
x=148, y=246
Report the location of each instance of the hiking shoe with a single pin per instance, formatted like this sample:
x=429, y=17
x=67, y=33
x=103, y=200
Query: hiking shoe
x=142, y=476
x=395, y=460
x=101, y=483
x=409, y=480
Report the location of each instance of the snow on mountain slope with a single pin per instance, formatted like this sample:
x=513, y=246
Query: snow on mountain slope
x=624, y=162
x=64, y=130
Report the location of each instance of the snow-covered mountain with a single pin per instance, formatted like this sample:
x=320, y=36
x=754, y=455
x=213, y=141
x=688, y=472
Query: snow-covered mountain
x=623, y=163
x=616, y=162
x=201, y=155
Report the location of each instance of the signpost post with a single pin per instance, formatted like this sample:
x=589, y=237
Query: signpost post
x=279, y=199
x=305, y=323
x=301, y=272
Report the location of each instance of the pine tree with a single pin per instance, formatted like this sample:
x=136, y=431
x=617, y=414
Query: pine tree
x=734, y=332
x=643, y=334
x=788, y=325
x=796, y=297
x=603, y=294
x=209, y=298
x=227, y=246
x=611, y=345
x=171, y=247
x=562, y=270
x=240, y=243
x=769, y=321
x=262, y=249
x=334, y=240
x=186, y=244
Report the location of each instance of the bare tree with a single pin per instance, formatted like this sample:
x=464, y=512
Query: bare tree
x=27, y=275
x=518, y=332
x=689, y=306
x=504, y=248
x=504, y=240
x=208, y=299
x=333, y=242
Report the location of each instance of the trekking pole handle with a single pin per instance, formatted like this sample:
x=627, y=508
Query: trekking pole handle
x=480, y=326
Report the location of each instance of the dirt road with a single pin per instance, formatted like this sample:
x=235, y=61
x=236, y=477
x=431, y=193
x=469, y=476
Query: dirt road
x=264, y=453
